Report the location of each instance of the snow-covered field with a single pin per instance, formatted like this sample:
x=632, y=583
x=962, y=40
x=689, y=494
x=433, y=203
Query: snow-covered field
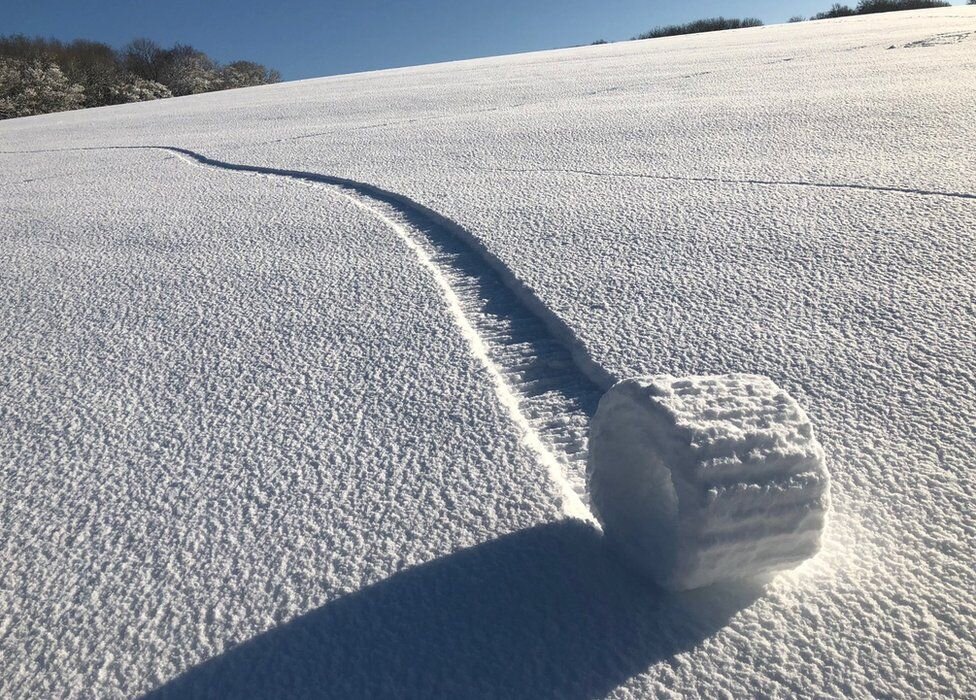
x=295, y=400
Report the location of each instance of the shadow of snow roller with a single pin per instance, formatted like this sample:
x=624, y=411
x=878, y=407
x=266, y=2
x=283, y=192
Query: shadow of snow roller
x=698, y=480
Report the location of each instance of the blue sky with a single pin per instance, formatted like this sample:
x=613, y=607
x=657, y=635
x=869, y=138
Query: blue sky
x=308, y=38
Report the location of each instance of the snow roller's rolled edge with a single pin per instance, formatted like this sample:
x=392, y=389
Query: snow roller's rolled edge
x=703, y=479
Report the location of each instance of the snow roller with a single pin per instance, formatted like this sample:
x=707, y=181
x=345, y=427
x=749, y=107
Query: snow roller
x=696, y=480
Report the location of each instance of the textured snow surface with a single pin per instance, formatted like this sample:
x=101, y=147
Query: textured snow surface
x=315, y=425
x=702, y=479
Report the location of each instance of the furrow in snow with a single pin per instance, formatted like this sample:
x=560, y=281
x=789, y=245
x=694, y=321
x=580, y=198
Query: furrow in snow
x=532, y=358
x=736, y=181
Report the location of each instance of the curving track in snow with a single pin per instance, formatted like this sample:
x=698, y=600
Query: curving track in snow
x=541, y=373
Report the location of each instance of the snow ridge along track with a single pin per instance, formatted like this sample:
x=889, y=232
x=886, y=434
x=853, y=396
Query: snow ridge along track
x=542, y=375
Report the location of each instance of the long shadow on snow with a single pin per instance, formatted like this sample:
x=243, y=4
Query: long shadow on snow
x=544, y=612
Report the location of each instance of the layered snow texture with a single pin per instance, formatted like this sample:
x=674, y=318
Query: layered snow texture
x=247, y=446
x=702, y=479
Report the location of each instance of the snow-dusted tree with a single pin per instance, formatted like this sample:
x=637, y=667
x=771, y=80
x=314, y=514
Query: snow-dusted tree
x=245, y=74
x=138, y=90
x=187, y=71
x=36, y=87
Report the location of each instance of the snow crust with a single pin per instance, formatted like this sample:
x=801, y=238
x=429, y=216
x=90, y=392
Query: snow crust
x=702, y=479
x=243, y=431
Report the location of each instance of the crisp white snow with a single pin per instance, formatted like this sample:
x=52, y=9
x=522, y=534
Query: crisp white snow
x=701, y=479
x=253, y=445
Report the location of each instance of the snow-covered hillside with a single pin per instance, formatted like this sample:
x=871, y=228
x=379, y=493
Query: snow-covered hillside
x=295, y=380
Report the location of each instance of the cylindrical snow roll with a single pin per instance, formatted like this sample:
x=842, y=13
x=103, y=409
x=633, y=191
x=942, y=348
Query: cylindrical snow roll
x=702, y=479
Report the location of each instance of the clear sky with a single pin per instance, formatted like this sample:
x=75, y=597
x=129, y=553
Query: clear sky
x=308, y=38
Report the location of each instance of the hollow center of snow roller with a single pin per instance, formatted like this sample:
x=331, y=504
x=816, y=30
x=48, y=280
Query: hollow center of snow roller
x=701, y=479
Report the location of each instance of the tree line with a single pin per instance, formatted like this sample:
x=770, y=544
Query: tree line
x=40, y=75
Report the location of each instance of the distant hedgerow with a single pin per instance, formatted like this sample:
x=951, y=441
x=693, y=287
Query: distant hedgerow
x=713, y=24
x=867, y=7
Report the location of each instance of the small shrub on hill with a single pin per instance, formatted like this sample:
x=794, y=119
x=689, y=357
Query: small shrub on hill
x=836, y=10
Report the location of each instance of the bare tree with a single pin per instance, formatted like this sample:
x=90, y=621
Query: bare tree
x=143, y=57
x=95, y=66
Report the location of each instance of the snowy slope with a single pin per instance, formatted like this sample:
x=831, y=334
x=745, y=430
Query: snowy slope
x=242, y=405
